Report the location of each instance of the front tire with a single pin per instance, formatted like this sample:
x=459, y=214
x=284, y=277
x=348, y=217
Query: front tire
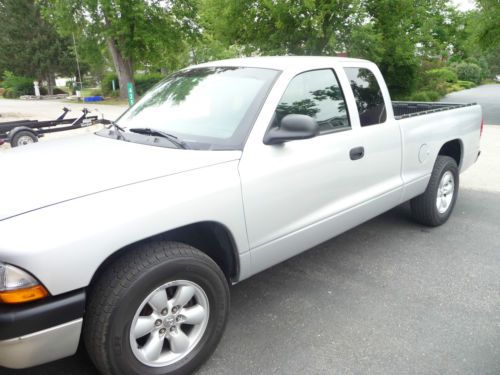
x=435, y=205
x=159, y=309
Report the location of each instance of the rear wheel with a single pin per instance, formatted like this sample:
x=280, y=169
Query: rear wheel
x=23, y=138
x=160, y=309
x=436, y=204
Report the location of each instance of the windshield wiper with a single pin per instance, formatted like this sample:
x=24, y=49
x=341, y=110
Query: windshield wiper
x=172, y=138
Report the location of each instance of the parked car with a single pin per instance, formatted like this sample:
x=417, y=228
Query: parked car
x=497, y=78
x=130, y=238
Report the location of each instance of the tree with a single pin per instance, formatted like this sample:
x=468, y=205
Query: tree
x=135, y=33
x=297, y=27
x=489, y=28
x=29, y=45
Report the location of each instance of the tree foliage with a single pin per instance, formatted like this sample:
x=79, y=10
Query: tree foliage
x=489, y=27
x=29, y=45
x=135, y=33
x=301, y=27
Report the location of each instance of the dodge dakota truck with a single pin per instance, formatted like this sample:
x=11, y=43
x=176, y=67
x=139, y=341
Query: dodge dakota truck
x=128, y=239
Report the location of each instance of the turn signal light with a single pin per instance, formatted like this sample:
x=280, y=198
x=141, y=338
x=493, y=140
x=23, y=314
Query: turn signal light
x=24, y=295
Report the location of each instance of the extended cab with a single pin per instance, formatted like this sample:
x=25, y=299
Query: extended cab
x=130, y=237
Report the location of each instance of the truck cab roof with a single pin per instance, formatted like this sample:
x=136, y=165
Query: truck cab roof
x=283, y=62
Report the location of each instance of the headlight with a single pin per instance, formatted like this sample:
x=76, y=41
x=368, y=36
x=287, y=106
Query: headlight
x=18, y=286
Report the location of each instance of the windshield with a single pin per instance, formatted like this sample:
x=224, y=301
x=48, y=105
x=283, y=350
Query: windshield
x=208, y=108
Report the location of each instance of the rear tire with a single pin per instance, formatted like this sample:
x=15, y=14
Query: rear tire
x=435, y=205
x=126, y=296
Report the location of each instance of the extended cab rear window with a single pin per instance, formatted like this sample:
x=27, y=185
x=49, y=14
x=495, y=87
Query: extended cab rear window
x=369, y=99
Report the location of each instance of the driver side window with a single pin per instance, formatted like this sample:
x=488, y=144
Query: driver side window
x=317, y=94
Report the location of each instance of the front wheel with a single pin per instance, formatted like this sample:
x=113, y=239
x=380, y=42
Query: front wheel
x=436, y=204
x=160, y=309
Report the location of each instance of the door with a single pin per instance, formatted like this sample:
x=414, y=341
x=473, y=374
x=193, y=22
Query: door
x=292, y=190
x=380, y=133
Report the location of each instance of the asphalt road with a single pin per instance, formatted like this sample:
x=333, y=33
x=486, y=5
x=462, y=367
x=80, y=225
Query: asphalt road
x=486, y=95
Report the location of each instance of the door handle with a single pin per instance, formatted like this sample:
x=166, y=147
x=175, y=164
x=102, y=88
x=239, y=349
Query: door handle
x=357, y=153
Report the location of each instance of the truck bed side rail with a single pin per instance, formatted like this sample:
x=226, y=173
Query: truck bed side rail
x=411, y=109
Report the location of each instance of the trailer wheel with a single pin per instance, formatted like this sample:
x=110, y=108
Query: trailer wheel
x=23, y=138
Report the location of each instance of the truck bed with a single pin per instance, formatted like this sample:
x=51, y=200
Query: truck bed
x=411, y=109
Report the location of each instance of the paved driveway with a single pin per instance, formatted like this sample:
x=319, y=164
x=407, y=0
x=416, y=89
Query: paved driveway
x=487, y=95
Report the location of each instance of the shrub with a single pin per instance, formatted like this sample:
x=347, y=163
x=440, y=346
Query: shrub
x=16, y=86
x=106, y=84
x=442, y=74
x=420, y=96
x=434, y=96
x=426, y=96
x=466, y=84
x=144, y=82
x=454, y=87
x=58, y=91
x=468, y=72
x=9, y=94
x=96, y=92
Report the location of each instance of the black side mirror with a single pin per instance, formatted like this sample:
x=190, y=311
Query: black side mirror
x=292, y=127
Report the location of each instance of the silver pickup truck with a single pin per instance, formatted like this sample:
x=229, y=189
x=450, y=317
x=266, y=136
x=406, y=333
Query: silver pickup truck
x=129, y=238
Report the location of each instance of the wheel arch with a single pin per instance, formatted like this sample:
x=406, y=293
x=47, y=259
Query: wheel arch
x=13, y=132
x=210, y=237
x=454, y=149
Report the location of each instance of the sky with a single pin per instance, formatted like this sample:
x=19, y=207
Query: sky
x=464, y=5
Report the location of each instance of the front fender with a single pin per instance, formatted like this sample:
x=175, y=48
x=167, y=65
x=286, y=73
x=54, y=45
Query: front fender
x=64, y=244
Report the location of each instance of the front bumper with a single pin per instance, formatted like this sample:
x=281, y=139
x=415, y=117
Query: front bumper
x=42, y=331
x=41, y=347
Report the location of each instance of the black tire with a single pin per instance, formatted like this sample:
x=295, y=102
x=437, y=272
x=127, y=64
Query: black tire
x=115, y=297
x=14, y=142
x=423, y=207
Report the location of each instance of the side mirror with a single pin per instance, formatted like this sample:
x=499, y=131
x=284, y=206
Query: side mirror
x=292, y=127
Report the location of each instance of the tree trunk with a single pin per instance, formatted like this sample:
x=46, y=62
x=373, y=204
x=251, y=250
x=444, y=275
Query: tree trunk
x=51, y=82
x=123, y=67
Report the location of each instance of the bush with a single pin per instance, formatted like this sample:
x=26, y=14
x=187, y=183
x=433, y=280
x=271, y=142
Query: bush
x=426, y=96
x=15, y=86
x=58, y=91
x=468, y=72
x=442, y=74
x=145, y=81
x=454, y=87
x=9, y=94
x=106, y=84
x=466, y=84
x=434, y=96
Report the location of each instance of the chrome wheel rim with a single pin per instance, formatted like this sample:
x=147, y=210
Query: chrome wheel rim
x=24, y=140
x=445, y=192
x=169, y=323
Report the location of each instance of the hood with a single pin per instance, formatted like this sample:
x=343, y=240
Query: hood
x=46, y=173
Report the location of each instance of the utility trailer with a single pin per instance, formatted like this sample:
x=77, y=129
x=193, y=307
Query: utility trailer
x=23, y=132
